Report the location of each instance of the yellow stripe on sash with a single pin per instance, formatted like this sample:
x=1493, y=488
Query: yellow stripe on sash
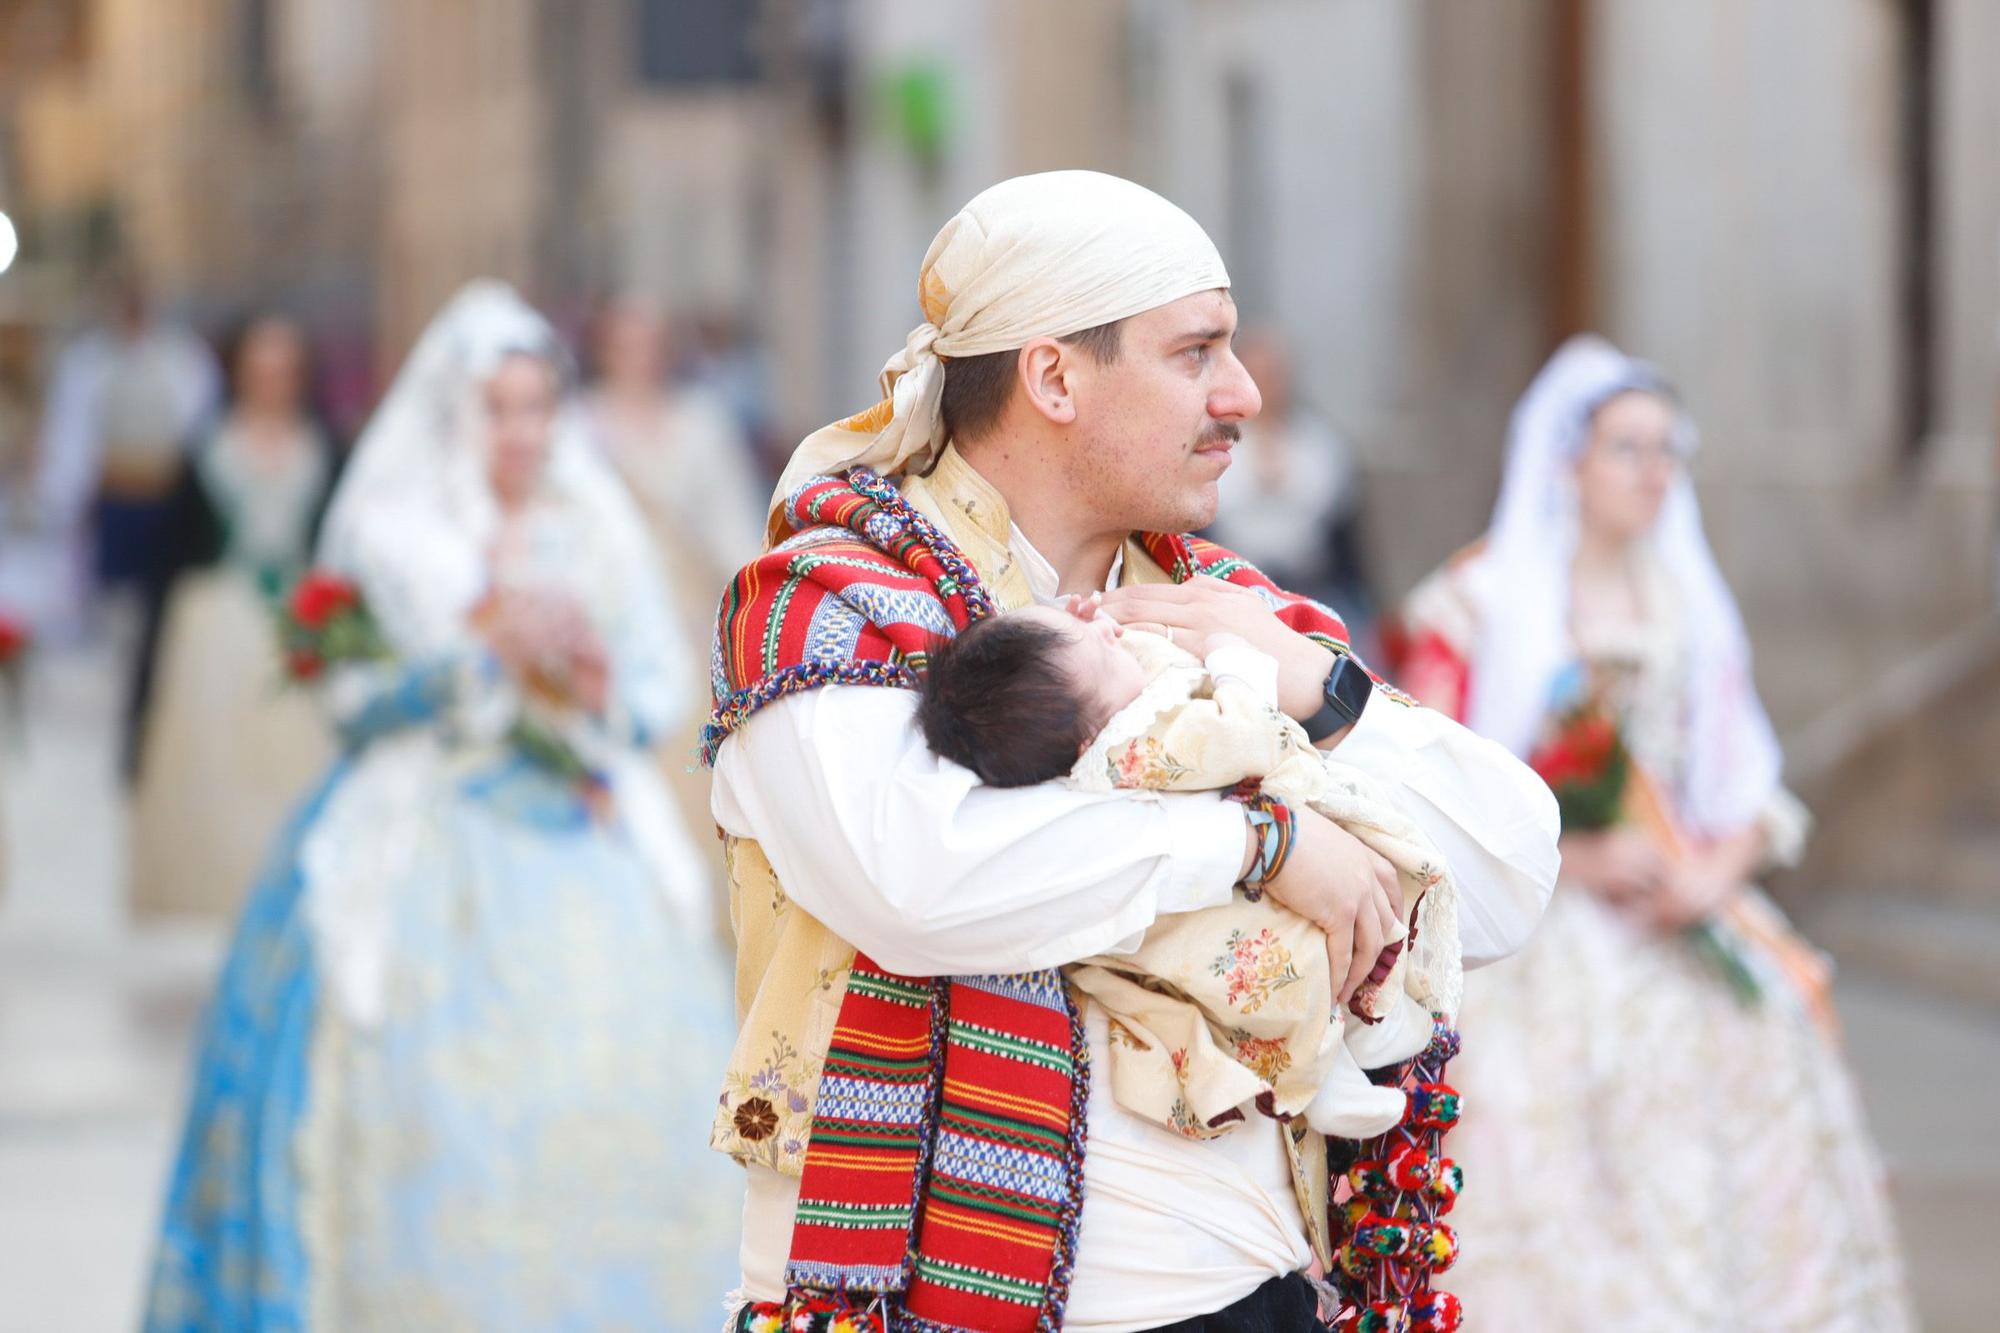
x=1026, y=1107
x=980, y=1225
x=875, y=1041
x=859, y=1161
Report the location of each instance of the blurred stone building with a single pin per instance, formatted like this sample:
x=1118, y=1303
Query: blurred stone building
x=1791, y=204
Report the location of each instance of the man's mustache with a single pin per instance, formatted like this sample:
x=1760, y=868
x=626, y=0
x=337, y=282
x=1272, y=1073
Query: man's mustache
x=1217, y=433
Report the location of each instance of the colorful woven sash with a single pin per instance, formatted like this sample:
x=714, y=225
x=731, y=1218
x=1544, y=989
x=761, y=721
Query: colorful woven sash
x=943, y=1177
x=946, y=1159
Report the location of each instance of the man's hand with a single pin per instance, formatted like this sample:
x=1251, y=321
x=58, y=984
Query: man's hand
x=1341, y=885
x=1208, y=606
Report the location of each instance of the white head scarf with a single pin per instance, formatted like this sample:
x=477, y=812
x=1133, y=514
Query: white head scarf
x=1521, y=583
x=1032, y=257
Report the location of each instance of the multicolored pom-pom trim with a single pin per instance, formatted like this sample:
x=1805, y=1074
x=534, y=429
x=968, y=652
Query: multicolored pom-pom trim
x=1390, y=1197
x=1434, y=1106
x=811, y=1314
x=1435, y=1312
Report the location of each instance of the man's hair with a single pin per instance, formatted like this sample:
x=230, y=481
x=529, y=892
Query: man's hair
x=997, y=700
x=976, y=388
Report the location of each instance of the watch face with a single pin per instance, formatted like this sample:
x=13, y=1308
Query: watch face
x=1348, y=688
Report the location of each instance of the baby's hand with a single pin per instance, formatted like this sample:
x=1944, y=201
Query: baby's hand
x=1084, y=606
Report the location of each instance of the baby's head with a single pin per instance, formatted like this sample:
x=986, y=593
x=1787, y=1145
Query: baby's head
x=1016, y=698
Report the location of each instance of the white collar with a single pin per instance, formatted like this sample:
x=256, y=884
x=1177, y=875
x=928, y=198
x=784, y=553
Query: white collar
x=1043, y=581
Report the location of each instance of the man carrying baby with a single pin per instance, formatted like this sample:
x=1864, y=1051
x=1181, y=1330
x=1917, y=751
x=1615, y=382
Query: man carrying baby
x=912, y=1091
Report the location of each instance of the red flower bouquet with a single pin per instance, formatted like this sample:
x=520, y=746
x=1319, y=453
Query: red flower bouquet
x=14, y=639
x=1597, y=786
x=1585, y=764
x=323, y=622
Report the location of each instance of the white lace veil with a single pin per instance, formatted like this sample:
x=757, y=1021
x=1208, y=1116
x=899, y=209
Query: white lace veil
x=413, y=514
x=1521, y=583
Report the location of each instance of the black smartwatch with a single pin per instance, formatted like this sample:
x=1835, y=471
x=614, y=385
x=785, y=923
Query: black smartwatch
x=1346, y=693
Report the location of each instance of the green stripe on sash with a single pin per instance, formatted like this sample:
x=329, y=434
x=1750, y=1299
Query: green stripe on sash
x=1012, y=1047
x=972, y=1279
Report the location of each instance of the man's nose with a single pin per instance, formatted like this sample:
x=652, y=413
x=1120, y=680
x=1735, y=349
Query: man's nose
x=1235, y=396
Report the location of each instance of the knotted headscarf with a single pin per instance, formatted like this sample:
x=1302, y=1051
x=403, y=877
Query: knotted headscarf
x=1032, y=257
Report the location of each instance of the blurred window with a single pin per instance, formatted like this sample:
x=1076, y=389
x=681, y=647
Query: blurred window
x=1917, y=167
x=259, y=35
x=684, y=42
x=43, y=35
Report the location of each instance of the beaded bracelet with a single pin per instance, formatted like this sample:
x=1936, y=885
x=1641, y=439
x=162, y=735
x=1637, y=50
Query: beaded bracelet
x=1275, y=826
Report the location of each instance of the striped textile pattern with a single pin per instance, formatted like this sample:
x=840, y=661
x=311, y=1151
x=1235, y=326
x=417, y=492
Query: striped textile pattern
x=943, y=1178
x=855, y=597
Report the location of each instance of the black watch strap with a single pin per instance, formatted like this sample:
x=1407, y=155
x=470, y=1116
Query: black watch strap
x=1345, y=693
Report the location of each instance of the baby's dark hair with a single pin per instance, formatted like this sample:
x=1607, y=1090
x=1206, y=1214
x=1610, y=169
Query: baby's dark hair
x=998, y=700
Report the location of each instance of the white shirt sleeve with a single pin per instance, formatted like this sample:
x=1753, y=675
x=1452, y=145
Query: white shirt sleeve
x=932, y=873
x=1493, y=819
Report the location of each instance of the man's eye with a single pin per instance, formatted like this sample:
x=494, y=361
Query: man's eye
x=1198, y=353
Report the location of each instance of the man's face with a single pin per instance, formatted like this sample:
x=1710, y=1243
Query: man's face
x=1154, y=427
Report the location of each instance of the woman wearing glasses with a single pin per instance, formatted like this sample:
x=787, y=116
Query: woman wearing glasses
x=1660, y=1130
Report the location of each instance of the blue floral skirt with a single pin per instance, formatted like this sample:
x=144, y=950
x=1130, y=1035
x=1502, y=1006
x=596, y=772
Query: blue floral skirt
x=521, y=1142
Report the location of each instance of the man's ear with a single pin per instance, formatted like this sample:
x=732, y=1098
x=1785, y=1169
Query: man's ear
x=1044, y=368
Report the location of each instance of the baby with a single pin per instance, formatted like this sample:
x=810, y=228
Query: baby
x=1228, y=1009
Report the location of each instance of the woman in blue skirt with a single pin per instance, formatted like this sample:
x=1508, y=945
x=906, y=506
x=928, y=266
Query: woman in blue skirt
x=459, y=1070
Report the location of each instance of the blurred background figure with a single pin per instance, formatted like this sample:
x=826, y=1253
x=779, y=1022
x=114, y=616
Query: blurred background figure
x=683, y=453
x=1291, y=501
x=1659, y=1070
x=487, y=934
x=124, y=403
x=218, y=751
x=726, y=358
x=680, y=447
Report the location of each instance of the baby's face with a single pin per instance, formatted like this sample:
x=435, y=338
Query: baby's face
x=1091, y=656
